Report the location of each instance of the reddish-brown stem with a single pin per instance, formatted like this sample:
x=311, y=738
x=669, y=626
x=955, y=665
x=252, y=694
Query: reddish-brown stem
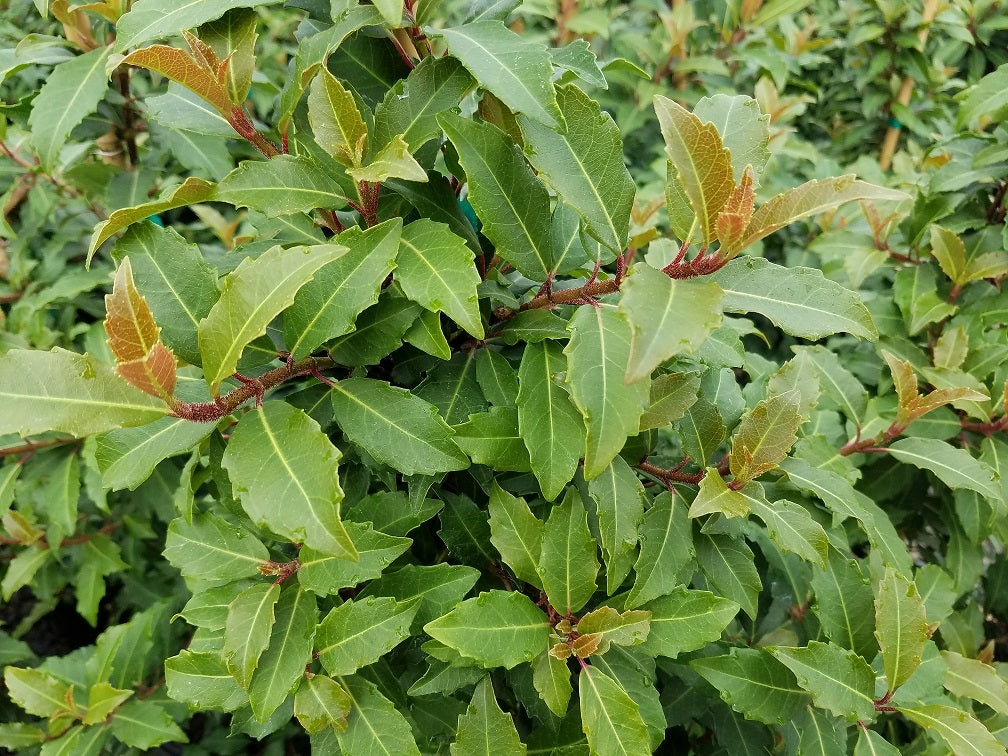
x=987, y=429
x=128, y=114
x=241, y=123
x=211, y=412
x=30, y=447
x=571, y=296
x=670, y=476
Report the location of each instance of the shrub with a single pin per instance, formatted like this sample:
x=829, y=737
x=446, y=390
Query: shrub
x=418, y=418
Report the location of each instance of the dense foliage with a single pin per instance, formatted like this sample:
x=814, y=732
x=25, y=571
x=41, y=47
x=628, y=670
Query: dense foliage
x=487, y=378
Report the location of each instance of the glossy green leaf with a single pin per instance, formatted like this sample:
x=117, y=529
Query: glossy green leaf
x=838, y=384
x=685, y=620
x=37, y=692
x=232, y=37
x=378, y=331
x=672, y=394
x=728, y=564
x=793, y=529
x=330, y=302
x=374, y=726
x=629, y=628
x=597, y=357
x=552, y=680
x=326, y=573
x=517, y=534
x=445, y=677
x=516, y=70
x=282, y=664
x=255, y=293
x=900, y=627
x=321, y=702
x=496, y=377
x=202, y=681
x=283, y=185
x=714, y=497
x=358, y=633
x=70, y=93
x=497, y=628
x=247, y=629
x=986, y=98
x=485, y=729
x=336, y=122
x=964, y=735
x=870, y=743
x=395, y=427
x=800, y=301
x=151, y=19
x=701, y=431
x=610, y=718
x=394, y=161
x=755, y=684
x=439, y=587
x=915, y=291
x=74, y=394
x=837, y=679
x=666, y=317
x=548, y=421
x=178, y=284
x=619, y=500
x=394, y=513
x=509, y=198
x=568, y=565
x=278, y=454
x=584, y=164
x=955, y=467
x=145, y=725
x=743, y=128
x=191, y=191
x=412, y=105
x=700, y=166
x=213, y=549
x=436, y=269
x=666, y=551
x=974, y=679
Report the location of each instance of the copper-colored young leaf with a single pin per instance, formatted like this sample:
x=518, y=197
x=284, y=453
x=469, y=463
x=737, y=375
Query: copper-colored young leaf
x=734, y=217
x=135, y=339
x=912, y=404
x=702, y=165
x=179, y=66
x=765, y=435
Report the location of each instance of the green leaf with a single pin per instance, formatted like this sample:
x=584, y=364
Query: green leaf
x=585, y=165
x=497, y=628
x=974, y=679
x=900, y=627
x=321, y=702
x=714, y=497
x=282, y=664
x=485, y=729
x=552, y=680
x=330, y=302
x=568, y=565
x=213, y=549
x=396, y=427
x=744, y=130
x=74, y=394
x=793, y=529
x=151, y=19
x=619, y=499
x=837, y=679
x=755, y=684
x=516, y=70
x=811, y=198
x=508, y=197
x=700, y=167
x=686, y=620
x=392, y=11
x=178, y=284
x=666, y=317
x=23, y=567
x=701, y=431
x=964, y=735
x=190, y=192
x=256, y=292
x=247, y=629
x=378, y=330
x=358, y=633
x=440, y=587
x=799, y=301
x=610, y=718
x=915, y=291
x=336, y=122
x=672, y=394
x=278, y=454
x=517, y=534
x=465, y=530
x=451, y=387
x=870, y=743
x=411, y=106
x=444, y=677
x=986, y=98
x=627, y=629
x=728, y=564
x=436, y=269
x=145, y=725
x=233, y=38
x=282, y=185
x=35, y=691
x=837, y=383
x=103, y=699
x=666, y=551
x=70, y=93
x=426, y=334
x=550, y=425
x=326, y=573
x=597, y=356
x=393, y=162
x=496, y=377
x=955, y=467
x=374, y=727
x=202, y=681
x=394, y=512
